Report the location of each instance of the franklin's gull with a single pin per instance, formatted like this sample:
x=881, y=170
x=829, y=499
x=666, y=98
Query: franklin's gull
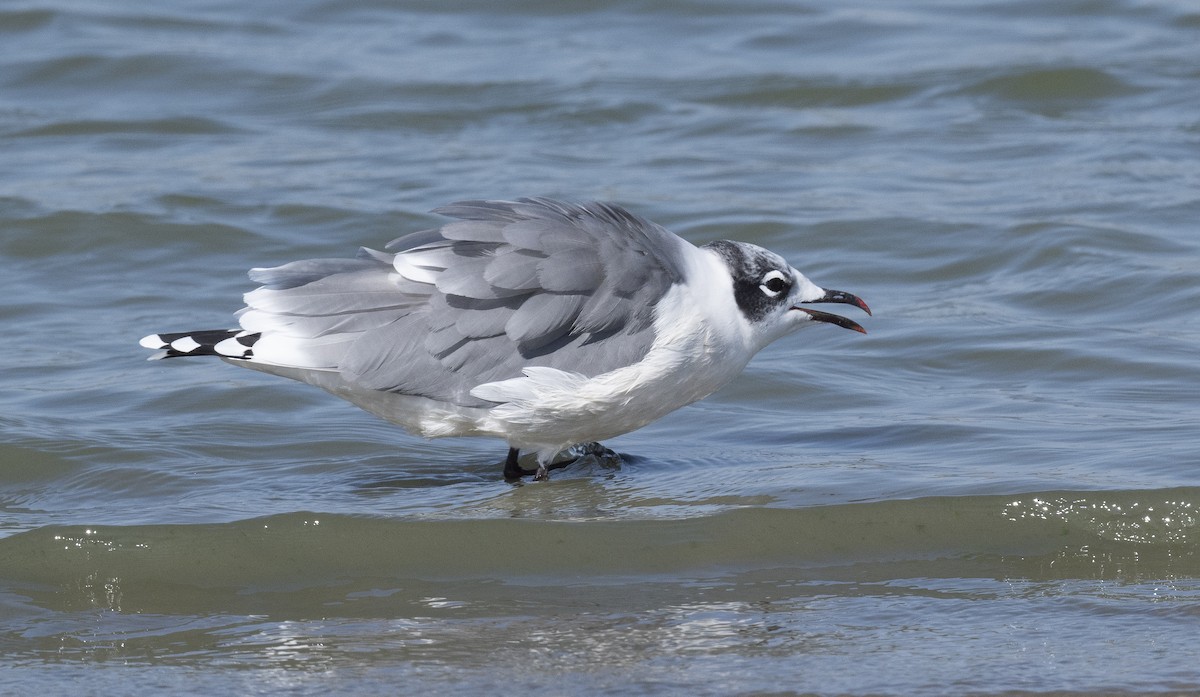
x=549, y=325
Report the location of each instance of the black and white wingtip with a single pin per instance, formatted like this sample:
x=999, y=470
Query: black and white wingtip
x=227, y=343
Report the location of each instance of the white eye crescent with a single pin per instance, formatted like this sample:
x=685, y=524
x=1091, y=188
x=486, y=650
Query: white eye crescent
x=774, y=284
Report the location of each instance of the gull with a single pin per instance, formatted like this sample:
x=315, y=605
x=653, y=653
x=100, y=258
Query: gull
x=550, y=325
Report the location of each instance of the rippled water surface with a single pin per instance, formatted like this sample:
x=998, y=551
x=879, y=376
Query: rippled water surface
x=996, y=491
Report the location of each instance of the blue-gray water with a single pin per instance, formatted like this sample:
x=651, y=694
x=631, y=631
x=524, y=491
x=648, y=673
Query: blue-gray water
x=996, y=491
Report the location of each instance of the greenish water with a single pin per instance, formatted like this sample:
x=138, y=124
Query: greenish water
x=995, y=492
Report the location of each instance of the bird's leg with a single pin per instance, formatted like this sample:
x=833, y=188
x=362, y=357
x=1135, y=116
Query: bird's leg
x=545, y=464
x=513, y=469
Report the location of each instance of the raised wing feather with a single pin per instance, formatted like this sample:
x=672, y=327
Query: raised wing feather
x=509, y=285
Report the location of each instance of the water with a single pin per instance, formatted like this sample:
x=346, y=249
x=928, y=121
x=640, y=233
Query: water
x=994, y=492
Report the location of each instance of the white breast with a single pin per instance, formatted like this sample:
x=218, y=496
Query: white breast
x=702, y=342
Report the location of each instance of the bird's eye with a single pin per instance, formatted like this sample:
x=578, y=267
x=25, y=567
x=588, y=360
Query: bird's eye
x=773, y=284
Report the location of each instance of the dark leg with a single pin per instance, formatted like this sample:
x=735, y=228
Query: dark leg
x=513, y=469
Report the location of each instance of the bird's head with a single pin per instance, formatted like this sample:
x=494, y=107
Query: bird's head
x=770, y=294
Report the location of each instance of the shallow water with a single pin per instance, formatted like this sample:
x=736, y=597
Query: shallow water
x=996, y=491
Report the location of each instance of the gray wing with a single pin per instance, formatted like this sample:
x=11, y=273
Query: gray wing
x=510, y=284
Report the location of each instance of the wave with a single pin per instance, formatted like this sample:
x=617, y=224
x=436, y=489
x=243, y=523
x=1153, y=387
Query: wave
x=1050, y=535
